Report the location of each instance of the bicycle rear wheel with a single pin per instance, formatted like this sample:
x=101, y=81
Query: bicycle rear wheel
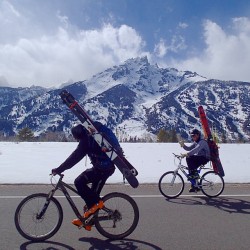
x=171, y=184
x=118, y=218
x=31, y=225
x=212, y=184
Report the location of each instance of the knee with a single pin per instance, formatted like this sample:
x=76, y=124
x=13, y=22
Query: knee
x=76, y=182
x=80, y=181
x=188, y=160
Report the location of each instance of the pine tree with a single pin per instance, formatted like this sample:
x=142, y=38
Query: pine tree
x=167, y=136
x=162, y=136
x=25, y=134
x=173, y=136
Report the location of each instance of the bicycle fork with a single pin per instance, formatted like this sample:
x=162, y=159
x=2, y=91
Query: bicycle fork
x=45, y=206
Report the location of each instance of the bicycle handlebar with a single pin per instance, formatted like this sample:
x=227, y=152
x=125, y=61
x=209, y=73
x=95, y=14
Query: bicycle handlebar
x=52, y=175
x=177, y=156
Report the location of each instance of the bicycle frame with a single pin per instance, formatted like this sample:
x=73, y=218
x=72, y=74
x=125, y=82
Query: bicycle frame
x=63, y=187
x=182, y=169
x=171, y=183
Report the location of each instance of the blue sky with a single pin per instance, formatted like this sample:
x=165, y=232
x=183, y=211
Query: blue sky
x=49, y=42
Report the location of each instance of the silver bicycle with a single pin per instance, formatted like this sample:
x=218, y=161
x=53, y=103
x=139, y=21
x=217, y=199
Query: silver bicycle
x=171, y=183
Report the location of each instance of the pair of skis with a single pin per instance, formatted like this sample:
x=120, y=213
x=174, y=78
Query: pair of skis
x=128, y=171
x=214, y=150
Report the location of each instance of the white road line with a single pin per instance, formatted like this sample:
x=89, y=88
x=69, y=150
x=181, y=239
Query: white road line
x=135, y=196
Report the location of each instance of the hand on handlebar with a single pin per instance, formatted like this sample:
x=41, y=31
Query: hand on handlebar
x=183, y=155
x=53, y=172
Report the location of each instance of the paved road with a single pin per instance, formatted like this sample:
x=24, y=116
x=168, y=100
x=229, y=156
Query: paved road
x=189, y=222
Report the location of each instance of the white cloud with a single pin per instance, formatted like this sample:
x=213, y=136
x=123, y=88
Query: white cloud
x=4, y=82
x=49, y=60
x=47, y=49
x=63, y=19
x=50, y=50
x=177, y=44
x=183, y=25
x=227, y=53
x=160, y=49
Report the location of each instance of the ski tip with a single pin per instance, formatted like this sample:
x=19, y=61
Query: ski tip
x=135, y=185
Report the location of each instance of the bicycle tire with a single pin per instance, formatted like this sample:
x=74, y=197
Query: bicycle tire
x=167, y=188
x=122, y=221
x=32, y=228
x=212, y=184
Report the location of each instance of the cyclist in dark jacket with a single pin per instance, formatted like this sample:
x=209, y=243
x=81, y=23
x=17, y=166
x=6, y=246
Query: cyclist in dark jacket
x=102, y=169
x=199, y=154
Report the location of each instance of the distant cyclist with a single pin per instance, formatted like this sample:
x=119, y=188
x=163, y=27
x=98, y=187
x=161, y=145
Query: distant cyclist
x=199, y=154
x=102, y=169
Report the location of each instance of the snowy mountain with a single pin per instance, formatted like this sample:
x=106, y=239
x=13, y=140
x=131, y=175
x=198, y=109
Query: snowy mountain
x=135, y=99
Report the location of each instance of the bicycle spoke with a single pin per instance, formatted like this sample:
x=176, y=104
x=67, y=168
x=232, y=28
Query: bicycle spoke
x=212, y=184
x=32, y=227
x=171, y=184
x=119, y=218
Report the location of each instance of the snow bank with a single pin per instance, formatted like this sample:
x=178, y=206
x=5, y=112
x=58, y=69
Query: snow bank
x=31, y=162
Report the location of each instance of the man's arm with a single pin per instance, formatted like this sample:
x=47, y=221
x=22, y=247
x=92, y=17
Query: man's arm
x=188, y=148
x=73, y=159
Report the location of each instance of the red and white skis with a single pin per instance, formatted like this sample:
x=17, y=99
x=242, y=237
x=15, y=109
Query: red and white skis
x=214, y=150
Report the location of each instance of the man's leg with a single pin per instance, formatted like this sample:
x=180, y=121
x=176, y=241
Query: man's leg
x=81, y=183
x=99, y=182
x=193, y=163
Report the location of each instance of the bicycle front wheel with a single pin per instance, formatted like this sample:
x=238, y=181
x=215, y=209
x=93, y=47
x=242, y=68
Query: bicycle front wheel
x=118, y=218
x=212, y=184
x=171, y=184
x=36, y=219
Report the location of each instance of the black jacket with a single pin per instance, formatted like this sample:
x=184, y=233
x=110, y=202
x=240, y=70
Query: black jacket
x=87, y=146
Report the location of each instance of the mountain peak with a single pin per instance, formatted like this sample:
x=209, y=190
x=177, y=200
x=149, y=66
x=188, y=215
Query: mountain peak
x=138, y=97
x=138, y=60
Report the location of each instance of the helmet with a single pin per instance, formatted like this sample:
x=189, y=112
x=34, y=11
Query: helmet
x=194, y=132
x=78, y=131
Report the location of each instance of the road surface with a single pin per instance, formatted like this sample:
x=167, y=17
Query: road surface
x=188, y=222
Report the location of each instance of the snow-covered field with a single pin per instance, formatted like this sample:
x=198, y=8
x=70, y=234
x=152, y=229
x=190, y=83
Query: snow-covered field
x=31, y=162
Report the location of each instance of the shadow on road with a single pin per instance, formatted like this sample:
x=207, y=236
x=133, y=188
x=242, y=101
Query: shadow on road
x=96, y=244
x=230, y=205
x=125, y=244
x=184, y=201
x=45, y=245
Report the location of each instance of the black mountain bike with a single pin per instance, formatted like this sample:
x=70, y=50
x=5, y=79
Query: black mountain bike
x=39, y=216
x=171, y=183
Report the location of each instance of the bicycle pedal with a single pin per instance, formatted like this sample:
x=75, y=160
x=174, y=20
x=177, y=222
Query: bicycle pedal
x=88, y=219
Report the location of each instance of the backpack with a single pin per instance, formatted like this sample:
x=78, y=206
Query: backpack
x=108, y=134
x=214, y=149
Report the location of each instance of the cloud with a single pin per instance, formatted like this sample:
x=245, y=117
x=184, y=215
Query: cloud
x=227, y=52
x=183, y=25
x=35, y=50
x=4, y=82
x=40, y=45
x=160, y=49
x=54, y=59
x=176, y=45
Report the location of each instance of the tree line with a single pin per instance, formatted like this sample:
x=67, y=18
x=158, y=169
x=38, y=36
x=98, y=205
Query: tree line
x=26, y=134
